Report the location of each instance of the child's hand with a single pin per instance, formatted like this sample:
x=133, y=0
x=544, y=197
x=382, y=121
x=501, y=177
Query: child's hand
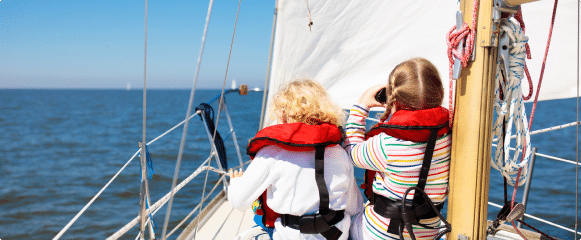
x=235, y=173
x=368, y=98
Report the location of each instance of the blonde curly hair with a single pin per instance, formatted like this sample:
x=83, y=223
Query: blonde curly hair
x=306, y=101
x=413, y=85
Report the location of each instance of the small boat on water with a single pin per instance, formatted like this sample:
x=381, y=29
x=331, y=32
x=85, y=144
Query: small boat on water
x=348, y=45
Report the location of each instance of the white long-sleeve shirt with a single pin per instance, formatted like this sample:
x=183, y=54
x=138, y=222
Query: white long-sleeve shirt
x=292, y=189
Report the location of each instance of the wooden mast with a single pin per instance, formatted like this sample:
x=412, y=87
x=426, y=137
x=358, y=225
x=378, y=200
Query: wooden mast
x=472, y=131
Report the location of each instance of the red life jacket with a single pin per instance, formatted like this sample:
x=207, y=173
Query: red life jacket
x=299, y=137
x=408, y=125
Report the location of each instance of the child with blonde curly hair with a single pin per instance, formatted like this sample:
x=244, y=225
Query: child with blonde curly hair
x=300, y=173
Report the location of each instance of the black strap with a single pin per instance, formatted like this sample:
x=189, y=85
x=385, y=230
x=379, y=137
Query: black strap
x=315, y=223
x=320, y=178
x=420, y=208
x=392, y=209
x=425, y=170
x=324, y=221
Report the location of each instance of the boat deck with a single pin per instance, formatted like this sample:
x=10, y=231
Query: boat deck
x=219, y=221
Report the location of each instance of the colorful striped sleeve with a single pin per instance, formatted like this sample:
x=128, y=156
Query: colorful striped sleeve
x=366, y=154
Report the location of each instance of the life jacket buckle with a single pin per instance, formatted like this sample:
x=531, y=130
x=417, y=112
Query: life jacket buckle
x=312, y=224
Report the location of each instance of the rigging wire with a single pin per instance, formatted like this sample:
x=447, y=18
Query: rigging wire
x=220, y=105
x=185, y=131
x=144, y=184
x=266, y=83
x=577, y=138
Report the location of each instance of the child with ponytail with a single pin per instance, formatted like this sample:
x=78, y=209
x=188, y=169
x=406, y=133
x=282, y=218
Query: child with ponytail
x=406, y=154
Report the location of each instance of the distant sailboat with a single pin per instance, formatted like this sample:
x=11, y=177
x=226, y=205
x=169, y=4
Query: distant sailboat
x=233, y=84
x=128, y=87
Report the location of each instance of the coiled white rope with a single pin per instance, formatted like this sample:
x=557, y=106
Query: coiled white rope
x=510, y=109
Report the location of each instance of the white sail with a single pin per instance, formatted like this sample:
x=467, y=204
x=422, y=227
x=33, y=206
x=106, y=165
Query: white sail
x=353, y=45
x=560, y=78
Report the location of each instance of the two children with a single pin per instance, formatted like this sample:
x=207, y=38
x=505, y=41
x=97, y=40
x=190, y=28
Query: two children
x=304, y=178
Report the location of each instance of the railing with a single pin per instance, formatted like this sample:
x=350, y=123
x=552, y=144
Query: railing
x=153, y=209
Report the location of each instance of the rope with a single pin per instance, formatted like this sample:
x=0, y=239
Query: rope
x=510, y=107
x=149, y=163
x=518, y=17
x=309, y=11
x=536, y=230
x=207, y=117
x=536, y=98
x=453, y=39
x=185, y=130
x=149, y=166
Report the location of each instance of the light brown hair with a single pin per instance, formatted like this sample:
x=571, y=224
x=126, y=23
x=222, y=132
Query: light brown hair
x=413, y=85
x=306, y=101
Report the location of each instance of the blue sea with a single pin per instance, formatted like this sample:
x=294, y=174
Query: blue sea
x=58, y=148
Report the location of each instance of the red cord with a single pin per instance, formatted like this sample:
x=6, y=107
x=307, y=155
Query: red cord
x=535, y=105
x=518, y=17
x=453, y=39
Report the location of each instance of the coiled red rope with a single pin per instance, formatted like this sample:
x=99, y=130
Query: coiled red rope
x=453, y=39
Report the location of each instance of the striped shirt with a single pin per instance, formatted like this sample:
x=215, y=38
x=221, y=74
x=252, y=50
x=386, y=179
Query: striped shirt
x=398, y=163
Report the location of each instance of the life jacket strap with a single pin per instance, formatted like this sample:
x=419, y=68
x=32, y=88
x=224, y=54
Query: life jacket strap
x=427, y=161
x=324, y=221
x=320, y=179
x=421, y=207
x=315, y=223
x=392, y=209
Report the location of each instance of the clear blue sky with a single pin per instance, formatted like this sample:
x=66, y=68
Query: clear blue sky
x=100, y=43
